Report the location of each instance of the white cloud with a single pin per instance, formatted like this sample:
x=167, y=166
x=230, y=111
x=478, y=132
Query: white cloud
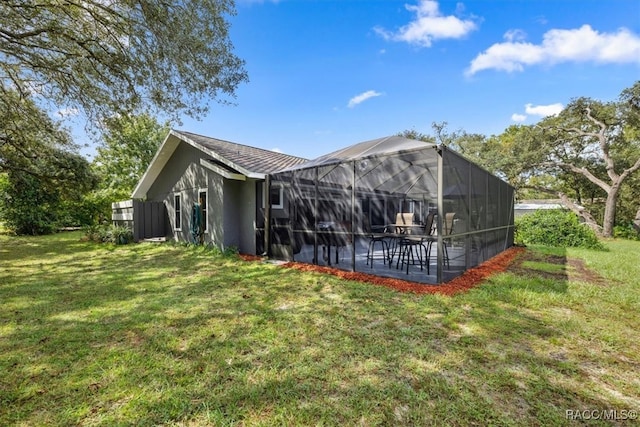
x=538, y=110
x=515, y=35
x=276, y=150
x=358, y=99
x=578, y=45
x=543, y=110
x=428, y=25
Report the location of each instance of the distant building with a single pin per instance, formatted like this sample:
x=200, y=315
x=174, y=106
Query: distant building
x=530, y=206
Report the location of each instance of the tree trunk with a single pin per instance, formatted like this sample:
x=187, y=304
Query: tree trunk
x=636, y=221
x=609, y=213
x=610, y=208
x=589, y=220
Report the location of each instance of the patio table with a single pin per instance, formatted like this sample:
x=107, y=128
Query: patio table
x=331, y=234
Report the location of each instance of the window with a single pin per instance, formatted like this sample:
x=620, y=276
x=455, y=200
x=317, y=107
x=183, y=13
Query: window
x=202, y=199
x=177, y=212
x=277, y=197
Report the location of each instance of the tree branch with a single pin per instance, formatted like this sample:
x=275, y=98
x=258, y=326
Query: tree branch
x=582, y=171
x=604, y=145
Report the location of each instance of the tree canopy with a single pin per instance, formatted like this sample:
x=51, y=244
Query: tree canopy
x=106, y=59
x=596, y=144
x=588, y=156
x=128, y=145
x=119, y=55
x=30, y=141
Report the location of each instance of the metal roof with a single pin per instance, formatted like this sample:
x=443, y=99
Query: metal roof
x=252, y=159
x=372, y=148
x=240, y=159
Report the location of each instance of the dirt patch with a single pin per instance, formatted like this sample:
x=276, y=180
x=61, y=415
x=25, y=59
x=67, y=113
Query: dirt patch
x=573, y=269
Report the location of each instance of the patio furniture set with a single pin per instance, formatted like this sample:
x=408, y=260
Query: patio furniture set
x=408, y=243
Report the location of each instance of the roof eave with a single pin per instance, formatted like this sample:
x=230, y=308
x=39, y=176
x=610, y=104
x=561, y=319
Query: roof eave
x=162, y=156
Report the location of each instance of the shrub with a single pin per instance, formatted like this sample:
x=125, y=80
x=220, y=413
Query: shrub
x=105, y=233
x=91, y=209
x=92, y=233
x=555, y=227
x=626, y=231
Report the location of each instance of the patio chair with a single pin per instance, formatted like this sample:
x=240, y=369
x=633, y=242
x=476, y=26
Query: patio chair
x=404, y=220
x=337, y=234
x=403, y=225
x=416, y=245
x=376, y=239
x=449, y=219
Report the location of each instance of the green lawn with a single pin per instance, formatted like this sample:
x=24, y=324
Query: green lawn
x=153, y=334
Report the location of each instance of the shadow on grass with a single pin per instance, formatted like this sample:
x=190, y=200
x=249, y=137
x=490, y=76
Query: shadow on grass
x=147, y=335
x=544, y=271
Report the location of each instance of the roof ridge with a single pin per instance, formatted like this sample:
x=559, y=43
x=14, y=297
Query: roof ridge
x=239, y=144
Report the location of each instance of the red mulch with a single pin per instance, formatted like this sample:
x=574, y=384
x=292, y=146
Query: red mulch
x=462, y=283
x=250, y=257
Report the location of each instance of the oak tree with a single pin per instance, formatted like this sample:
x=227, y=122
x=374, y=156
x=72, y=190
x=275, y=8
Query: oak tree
x=107, y=56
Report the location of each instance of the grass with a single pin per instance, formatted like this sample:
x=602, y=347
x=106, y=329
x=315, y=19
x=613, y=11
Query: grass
x=160, y=334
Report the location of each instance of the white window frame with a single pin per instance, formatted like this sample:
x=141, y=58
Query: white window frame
x=205, y=209
x=177, y=213
x=264, y=197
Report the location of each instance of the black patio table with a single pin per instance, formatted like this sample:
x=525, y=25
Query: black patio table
x=331, y=234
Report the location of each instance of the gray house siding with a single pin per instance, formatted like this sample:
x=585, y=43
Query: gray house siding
x=183, y=175
x=215, y=213
x=230, y=203
x=231, y=213
x=248, y=216
x=239, y=215
x=180, y=175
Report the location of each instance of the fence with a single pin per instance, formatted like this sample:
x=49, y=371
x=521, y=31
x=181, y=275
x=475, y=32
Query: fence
x=145, y=219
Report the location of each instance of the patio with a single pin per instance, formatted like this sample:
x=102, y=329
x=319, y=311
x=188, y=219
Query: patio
x=373, y=207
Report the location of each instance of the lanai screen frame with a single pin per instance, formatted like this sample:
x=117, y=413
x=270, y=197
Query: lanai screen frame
x=483, y=203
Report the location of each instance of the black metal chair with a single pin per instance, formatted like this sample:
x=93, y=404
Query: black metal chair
x=377, y=241
x=414, y=248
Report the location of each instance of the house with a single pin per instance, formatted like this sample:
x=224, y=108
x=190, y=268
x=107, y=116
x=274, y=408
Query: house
x=224, y=178
x=392, y=206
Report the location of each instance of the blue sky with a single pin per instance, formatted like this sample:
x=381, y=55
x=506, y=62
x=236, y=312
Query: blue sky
x=327, y=74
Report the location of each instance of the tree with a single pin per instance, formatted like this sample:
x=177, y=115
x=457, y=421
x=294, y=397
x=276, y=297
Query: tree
x=418, y=136
x=589, y=138
x=630, y=99
x=33, y=201
x=585, y=154
x=27, y=134
x=128, y=145
x=107, y=59
x=40, y=167
x=119, y=55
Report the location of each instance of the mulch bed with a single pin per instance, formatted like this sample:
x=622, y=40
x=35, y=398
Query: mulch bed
x=462, y=283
